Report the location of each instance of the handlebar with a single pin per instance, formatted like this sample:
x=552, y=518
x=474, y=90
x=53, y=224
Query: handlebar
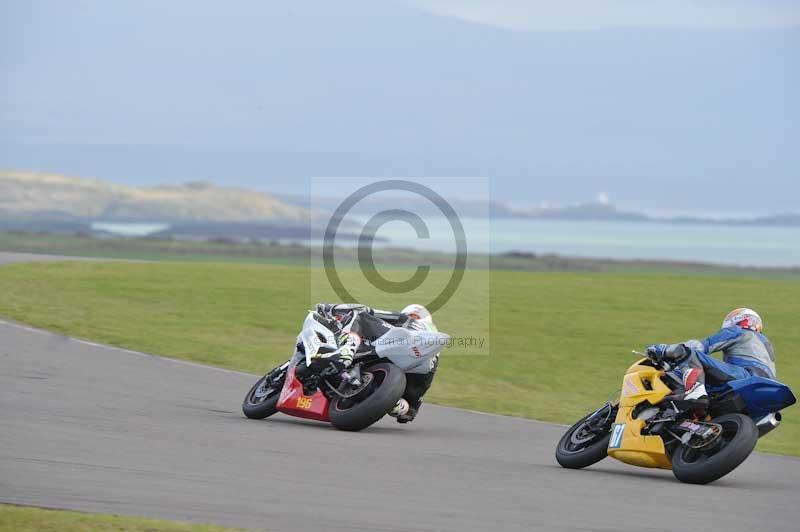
x=663, y=364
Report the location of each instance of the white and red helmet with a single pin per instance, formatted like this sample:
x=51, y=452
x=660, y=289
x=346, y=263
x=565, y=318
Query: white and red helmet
x=420, y=315
x=745, y=318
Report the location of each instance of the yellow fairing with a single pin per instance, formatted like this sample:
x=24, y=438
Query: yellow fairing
x=641, y=383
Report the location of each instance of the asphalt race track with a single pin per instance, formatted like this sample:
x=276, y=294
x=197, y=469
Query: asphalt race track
x=100, y=429
x=95, y=428
x=11, y=257
x=7, y=257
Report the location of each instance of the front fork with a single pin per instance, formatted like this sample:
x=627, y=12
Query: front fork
x=604, y=417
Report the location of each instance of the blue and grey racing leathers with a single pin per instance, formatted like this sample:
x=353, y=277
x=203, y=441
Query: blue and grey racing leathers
x=744, y=353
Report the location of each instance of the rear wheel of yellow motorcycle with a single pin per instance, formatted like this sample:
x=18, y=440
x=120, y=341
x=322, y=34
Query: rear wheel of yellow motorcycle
x=586, y=442
x=733, y=446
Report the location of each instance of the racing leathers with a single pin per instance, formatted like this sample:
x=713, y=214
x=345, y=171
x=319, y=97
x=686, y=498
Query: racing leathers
x=361, y=326
x=745, y=352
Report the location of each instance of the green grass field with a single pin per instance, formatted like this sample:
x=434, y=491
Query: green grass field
x=560, y=342
x=27, y=519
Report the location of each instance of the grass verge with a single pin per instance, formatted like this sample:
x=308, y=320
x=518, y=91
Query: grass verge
x=29, y=519
x=560, y=342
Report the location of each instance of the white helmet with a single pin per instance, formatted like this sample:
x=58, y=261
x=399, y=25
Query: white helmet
x=421, y=315
x=745, y=318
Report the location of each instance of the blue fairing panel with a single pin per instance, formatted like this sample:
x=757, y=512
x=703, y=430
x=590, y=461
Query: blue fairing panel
x=763, y=396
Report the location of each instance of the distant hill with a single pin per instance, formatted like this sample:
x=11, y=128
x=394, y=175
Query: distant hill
x=779, y=219
x=593, y=210
x=30, y=198
x=29, y=195
x=600, y=209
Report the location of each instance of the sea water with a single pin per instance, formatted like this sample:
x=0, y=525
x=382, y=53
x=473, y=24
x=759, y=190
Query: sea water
x=747, y=245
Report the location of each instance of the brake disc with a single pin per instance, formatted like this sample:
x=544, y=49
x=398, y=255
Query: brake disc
x=704, y=442
x=366, y=380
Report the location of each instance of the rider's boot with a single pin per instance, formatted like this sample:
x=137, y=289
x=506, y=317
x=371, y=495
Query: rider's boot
x=400, y=409
x=409, y=416
x=416, y=386
x=404, y=411
x=693, y=394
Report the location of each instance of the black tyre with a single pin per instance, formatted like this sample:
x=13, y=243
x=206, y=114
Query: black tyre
x=733, y=446
x=262, y=399
x=386, y=387
x=586, y=442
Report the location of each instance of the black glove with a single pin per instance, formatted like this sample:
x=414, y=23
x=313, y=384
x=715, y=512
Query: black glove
x=677, y=352
x=673, y=353
x=324, y=310
x=656, y=352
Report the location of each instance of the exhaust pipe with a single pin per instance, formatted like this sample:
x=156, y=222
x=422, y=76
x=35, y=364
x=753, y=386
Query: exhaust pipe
x=768, y=423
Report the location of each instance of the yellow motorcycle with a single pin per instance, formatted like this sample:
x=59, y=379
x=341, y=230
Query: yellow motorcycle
x=646, y=428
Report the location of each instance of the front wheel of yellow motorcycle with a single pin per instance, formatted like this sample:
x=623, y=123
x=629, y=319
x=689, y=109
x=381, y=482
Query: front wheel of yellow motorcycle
x=586, y=442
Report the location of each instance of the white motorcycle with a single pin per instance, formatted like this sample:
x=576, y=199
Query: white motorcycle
x=315, y=384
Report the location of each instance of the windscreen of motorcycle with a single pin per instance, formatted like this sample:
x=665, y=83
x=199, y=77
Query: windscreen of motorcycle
x=314, y=337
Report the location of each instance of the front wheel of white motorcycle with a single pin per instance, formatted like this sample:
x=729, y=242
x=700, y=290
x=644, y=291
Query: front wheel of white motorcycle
x=386, y=385
x=734, y=444
x=262, y=399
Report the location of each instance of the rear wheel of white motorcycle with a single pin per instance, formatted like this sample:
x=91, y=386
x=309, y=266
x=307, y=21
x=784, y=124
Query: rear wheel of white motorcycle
x=386, y=387
x=262, y=399
x=733, y=446
x=586, y=442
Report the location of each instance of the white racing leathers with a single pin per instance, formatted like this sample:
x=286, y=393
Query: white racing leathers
x=415, y=352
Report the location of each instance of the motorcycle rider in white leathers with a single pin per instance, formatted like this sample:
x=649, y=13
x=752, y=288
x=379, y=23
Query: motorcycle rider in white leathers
x=360, y=326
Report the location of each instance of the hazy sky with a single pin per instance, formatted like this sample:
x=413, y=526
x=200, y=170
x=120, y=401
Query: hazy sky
x=568, y=15
x=662, y=104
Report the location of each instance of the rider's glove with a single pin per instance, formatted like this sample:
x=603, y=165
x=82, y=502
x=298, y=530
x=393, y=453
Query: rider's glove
x=346, y=356
x=657, y=352
x=672, y=353
x=348, y=349
x=324, y=309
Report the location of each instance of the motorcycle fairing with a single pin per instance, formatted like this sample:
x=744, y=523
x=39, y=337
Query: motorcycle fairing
x=641, y=383
x=316, y=339
x=762, y=396
x=294, y=402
